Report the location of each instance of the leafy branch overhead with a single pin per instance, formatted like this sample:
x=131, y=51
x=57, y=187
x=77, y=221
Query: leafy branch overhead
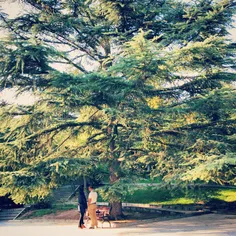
x=122, y=89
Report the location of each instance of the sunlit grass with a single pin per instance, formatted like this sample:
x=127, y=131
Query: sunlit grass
x=152, y=195
x=227, y=195
x=181, y=201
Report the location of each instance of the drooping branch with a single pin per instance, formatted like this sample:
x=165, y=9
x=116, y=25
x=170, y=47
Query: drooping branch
x=59, y=127
x=194, y=85
x=180, y=130
x=63, y=126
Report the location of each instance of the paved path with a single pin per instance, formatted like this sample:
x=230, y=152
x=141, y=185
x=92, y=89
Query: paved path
x=208, y=225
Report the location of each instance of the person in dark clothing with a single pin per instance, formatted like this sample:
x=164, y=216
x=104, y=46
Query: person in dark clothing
x=82, y=203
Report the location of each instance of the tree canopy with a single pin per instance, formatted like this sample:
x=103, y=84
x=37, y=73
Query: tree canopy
x=142, y=83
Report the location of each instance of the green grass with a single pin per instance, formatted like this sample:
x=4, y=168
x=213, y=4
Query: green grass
x=227, y=195
x=147, y=195
x=154, y=195
x=65, y=207
x=40, y=213
x=55, y=208
x=177, y=201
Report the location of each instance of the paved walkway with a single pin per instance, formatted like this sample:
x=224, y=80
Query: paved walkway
x=209, y=225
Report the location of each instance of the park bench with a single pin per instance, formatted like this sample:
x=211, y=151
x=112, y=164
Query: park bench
x=102, y=215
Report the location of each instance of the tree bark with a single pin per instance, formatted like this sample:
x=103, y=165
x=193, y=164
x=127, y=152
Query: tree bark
x=116, y=210
x=116, y=206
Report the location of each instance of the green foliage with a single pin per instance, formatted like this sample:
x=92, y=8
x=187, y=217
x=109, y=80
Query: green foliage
x=115, y=192
x=149, y=89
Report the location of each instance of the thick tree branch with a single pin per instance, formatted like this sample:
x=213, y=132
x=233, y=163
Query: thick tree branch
x=62, y=126
x=180, y=130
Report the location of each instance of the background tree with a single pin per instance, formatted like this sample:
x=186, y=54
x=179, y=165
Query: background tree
x=151, y=83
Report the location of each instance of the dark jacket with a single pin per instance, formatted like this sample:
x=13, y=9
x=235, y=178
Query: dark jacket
x=82, y=201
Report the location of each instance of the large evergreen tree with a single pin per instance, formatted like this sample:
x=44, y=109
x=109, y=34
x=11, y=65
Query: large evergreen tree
x=146, y=82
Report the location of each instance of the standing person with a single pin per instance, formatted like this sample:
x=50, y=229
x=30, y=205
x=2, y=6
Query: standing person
x=92, y=207
x=82, y=206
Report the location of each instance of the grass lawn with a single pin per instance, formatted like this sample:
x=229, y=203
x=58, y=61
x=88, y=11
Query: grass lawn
x=227, y=195
x=162, y=196
x=53, y=210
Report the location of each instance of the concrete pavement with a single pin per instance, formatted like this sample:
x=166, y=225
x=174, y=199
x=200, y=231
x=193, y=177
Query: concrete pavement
x=209, y=225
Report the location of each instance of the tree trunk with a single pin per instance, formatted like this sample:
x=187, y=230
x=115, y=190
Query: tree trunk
x=116, y=210
x=116, y=206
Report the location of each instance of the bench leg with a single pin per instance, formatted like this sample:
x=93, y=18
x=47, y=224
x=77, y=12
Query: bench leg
x=103, y=221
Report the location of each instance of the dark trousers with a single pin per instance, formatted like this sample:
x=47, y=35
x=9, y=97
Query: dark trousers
x=82, y=212
x=81, y=221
